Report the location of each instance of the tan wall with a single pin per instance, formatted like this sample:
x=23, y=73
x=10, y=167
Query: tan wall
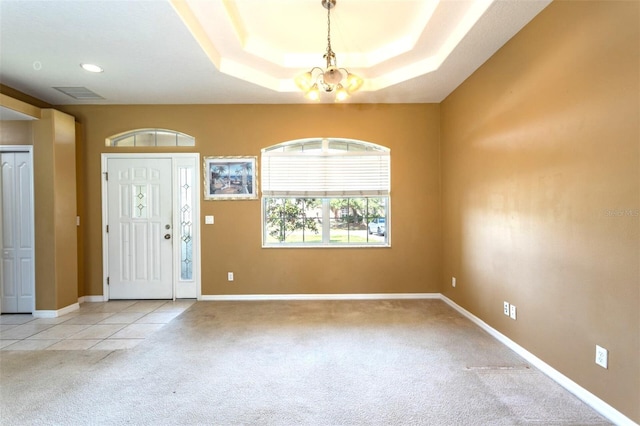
x=234, y=242
x=65, y=210
x=55, y=211
x=17, y=132
x=44, y=207
x=541, y=193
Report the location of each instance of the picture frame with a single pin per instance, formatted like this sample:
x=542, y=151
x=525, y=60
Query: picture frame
x=230, y=178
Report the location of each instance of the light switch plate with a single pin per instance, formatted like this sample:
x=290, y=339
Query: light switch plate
x=208, y=220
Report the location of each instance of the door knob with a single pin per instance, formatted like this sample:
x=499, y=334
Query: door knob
x=167, y=236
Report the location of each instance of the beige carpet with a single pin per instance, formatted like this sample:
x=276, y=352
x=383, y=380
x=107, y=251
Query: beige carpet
x=292, y=363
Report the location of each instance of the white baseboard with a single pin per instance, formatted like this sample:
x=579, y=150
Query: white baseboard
x=587, y=397
x=358, y=296
x=59, y=312
x=98, y=298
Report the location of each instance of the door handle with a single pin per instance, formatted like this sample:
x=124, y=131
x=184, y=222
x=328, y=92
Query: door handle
x=167, y=236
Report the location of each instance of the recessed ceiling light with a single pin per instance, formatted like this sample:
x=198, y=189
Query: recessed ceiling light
x=91, y=68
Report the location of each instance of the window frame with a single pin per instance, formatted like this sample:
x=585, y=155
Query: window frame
x=118, y=140
x=325, y=227
x=324, y=197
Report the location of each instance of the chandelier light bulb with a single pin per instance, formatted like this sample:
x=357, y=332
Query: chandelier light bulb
x=313, y=94
x=341, y=93
x=304, y=81
x=353, y=82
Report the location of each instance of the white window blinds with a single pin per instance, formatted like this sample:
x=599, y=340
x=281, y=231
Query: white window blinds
x=326, y=172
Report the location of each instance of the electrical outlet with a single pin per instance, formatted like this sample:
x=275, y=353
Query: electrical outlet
x=229, y=276
x=453, y=281
x=512, y=312
x=602, y=356
x=506, y=308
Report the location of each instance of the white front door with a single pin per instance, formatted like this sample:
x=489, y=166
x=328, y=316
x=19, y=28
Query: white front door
x=140, y=233
x=16, y=229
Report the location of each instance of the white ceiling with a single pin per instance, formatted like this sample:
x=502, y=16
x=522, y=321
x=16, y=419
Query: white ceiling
x=248, y=51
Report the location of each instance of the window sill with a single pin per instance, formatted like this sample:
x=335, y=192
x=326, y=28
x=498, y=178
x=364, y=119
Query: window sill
x=324, y=246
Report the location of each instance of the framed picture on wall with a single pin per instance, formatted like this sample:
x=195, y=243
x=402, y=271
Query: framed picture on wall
x=230, y=178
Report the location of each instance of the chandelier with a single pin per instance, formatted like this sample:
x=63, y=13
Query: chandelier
x=331, y=79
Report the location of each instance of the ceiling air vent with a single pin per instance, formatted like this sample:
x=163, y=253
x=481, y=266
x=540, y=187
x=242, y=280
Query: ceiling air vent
x=80, y=93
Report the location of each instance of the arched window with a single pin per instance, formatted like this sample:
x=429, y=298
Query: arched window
x=325, y=192
x=150, y=137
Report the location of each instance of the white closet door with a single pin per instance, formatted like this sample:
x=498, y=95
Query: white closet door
x=18, y=284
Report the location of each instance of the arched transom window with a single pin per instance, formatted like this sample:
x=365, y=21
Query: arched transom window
x=150, y=137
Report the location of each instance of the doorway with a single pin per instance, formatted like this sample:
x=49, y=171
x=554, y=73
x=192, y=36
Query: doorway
x=151, y=235
x=17, y=268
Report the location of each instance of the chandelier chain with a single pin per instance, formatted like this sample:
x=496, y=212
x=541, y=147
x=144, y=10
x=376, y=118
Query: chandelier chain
x=329, y=28
x=330, y=56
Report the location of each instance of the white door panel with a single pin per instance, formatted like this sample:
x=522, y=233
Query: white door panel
x=140, y=228
x=18, y=285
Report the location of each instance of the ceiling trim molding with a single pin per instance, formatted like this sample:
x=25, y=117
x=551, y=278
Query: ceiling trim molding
x=193, y=25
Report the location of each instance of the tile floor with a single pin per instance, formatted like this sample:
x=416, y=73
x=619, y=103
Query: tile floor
x=109, y=325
